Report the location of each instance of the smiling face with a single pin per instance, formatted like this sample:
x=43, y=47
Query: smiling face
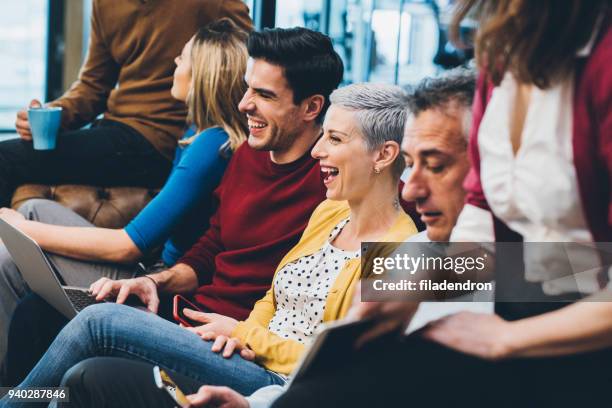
x=435, y=150
x=346, y=164
x=274, y=120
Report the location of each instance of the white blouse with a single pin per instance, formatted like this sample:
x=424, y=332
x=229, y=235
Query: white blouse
x=301, y=288
x=534, y=192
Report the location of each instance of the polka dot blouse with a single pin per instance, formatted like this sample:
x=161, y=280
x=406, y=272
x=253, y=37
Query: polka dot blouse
x=301, y=288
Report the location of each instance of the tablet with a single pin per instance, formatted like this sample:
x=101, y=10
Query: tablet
x=333, y=346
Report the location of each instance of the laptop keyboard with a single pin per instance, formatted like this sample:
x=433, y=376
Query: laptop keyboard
x=80, y=299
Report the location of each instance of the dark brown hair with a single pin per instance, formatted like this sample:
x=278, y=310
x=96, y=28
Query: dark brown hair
x=535, y=40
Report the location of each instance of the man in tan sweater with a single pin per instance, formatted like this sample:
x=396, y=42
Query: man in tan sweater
x=127, y=76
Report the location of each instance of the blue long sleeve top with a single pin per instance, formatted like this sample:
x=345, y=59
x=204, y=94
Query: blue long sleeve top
x=180, y=213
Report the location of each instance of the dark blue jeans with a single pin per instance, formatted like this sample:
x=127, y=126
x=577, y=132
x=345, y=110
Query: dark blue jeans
x=34, y=326
x=113, y=330
x=107, y=154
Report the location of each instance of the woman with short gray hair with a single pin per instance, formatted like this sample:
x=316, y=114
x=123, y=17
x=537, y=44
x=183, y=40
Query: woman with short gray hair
x=380, y=112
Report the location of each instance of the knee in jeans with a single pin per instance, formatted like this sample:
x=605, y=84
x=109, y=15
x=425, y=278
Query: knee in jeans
x=102, y=312
x=95, y=312
x=87, y=324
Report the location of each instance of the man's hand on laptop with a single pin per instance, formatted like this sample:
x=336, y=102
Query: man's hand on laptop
x=143, y=287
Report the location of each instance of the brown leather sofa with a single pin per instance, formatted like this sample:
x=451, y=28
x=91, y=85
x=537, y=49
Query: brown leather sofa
x=109, y=207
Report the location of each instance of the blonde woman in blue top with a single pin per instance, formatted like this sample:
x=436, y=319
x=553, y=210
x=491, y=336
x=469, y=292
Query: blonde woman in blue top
x=209, y=77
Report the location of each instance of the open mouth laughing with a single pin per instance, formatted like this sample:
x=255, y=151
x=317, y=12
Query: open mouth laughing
x=255, y=125
x=329, y=173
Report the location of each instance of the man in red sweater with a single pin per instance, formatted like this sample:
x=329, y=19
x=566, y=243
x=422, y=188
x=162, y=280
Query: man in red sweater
x=270, y=187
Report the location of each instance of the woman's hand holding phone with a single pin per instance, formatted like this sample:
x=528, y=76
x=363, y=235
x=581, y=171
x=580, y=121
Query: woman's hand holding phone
x=216, y=327
x=212, y=322
x=181, y=304
x=199, y=322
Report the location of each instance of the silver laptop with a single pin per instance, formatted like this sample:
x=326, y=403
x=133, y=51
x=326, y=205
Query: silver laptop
x=40, y=275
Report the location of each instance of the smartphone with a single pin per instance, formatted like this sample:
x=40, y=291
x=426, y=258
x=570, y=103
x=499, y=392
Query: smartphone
x=181, y=303
x=164, y=382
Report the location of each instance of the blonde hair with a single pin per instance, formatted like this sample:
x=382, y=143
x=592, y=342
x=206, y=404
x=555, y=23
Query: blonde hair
x=218, y=64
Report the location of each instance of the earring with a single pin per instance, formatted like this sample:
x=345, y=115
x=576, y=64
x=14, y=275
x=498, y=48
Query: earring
x=376, y=170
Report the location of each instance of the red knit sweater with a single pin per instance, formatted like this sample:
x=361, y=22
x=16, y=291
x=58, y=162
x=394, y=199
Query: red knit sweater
x=262, y=211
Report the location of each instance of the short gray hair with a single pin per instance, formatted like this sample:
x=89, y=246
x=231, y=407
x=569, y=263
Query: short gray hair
x=456, y=86
x=381, y=112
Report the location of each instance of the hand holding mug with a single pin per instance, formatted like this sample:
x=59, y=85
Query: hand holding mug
x=22, y=124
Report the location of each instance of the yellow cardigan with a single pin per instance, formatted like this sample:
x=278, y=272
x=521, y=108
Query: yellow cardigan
x=279, y=354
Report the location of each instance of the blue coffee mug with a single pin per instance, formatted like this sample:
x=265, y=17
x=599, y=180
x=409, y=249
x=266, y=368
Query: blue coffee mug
x=44, y=123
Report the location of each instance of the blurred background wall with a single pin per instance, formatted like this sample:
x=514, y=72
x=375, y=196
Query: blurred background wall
x=43, y=42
